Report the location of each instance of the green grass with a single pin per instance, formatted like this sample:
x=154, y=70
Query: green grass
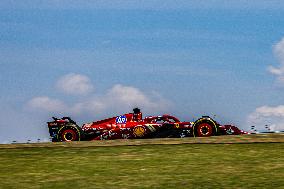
x=247, y=165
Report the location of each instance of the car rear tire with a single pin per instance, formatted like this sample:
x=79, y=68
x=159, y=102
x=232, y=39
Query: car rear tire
x=69, y=134
x=205, y=127
x=204, y=130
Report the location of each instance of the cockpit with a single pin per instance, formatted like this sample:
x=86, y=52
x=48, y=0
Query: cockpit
x=162, y=119
x=137, y=115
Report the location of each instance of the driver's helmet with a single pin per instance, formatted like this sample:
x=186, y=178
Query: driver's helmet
x=137, y=115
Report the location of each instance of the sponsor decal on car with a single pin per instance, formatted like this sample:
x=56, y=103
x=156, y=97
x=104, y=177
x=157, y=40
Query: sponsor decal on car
x=121, y=119
x=139, y=131
x=151, y=127
x=177, y=125
x=230, y=131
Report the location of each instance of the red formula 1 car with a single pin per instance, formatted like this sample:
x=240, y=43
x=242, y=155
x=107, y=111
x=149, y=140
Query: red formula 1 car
x=132, y=125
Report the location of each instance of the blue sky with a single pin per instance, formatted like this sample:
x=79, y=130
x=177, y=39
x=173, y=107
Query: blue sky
x=92, y=59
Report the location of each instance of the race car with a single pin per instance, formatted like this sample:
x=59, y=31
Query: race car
x=132, y=126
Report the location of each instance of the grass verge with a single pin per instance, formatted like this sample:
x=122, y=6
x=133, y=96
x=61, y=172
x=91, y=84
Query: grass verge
x=184, y=165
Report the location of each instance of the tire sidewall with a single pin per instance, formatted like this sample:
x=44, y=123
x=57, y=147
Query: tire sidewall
x=209, y=122
x=204, y=126
x=63, y=135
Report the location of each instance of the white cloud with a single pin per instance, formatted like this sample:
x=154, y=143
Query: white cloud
x=128, y=97
x=116, y=100
x=75, y=84
x=121, y=99
x=279, y=50
x=279, y=53
x=46, y=104
x=90, y=106
x=272, y=116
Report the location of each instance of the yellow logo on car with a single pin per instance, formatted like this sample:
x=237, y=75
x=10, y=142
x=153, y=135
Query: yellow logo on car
x=139, y=131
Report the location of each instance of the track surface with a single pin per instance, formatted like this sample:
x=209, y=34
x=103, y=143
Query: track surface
x=238, y=139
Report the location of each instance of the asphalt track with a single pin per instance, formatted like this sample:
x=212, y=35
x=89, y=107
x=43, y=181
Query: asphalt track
x=232, y=139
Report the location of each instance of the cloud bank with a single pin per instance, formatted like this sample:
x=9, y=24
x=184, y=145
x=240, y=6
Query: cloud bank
x=117, y=99
x=273, y=116
x=45, y=103
x=278, y=71
x=74, y=84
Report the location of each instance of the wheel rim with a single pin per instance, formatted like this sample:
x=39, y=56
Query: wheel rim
x=204, y=129
x=69, y=135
